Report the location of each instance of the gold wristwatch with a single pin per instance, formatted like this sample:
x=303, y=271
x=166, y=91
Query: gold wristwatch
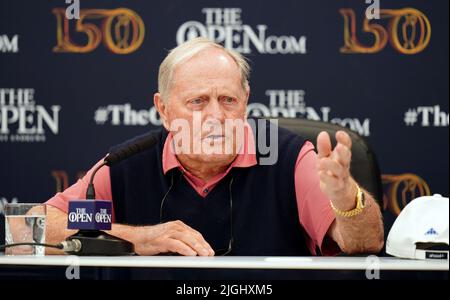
x=360, y=204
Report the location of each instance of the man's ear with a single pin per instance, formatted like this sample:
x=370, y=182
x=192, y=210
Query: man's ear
x=161, y=107
x=247, y=93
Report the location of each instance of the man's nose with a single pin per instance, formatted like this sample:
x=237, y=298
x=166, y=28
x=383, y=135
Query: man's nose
x=214, y=111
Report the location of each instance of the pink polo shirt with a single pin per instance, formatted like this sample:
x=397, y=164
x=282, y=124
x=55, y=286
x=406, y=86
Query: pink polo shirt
x=314, y=209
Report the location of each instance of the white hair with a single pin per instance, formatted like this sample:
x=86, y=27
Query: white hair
x=186, y=51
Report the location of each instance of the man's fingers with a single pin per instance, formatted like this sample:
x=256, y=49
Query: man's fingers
x=177, y=230
x=332, y=167
x=343, y=138
x=323, y=144
x=205, y=244
x=182, y=227
x=176, y=246
x=192, y=241
x=343, y=155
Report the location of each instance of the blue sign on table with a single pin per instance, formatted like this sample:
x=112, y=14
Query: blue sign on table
x=89, y=215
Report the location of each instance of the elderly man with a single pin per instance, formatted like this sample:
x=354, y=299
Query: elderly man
x=172, y=199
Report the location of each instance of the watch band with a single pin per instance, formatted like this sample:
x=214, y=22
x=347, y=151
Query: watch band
x=360, y=204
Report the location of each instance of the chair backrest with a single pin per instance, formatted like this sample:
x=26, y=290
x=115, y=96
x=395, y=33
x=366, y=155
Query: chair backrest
x=364, y=166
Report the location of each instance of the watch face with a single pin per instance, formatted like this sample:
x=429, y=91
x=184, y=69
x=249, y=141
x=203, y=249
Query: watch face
x=363, y=199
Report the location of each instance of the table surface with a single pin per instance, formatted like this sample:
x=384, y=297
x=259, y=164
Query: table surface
x=233, y=262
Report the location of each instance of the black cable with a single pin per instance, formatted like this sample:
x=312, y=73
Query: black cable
x=230, y=244
x=58, y=246
x=167, y=193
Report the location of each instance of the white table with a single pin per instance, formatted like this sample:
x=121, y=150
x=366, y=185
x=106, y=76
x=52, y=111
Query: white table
x=236, y=262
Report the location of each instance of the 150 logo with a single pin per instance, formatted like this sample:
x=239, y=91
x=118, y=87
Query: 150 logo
x=408, y=31
x=121, y=30
x=400, y=189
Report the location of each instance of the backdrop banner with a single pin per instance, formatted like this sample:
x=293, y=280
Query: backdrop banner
x=78, y=77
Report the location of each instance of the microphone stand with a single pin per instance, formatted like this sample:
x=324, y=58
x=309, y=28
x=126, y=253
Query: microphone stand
x=96, y=242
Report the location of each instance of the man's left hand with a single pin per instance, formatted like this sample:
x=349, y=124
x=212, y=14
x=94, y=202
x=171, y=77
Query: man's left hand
x=334, y=170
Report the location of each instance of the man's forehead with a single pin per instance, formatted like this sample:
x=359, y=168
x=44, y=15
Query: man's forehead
x=209, y=63
x=203, y=73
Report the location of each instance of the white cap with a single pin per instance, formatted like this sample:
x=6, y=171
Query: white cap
x=423, y=220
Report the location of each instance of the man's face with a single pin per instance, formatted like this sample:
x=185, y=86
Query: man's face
x=205, y=91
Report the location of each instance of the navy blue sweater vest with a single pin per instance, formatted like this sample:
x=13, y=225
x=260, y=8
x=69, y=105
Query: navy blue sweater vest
x=264, y=215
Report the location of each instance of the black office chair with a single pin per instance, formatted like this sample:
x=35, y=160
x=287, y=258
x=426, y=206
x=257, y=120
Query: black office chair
x=364, y=166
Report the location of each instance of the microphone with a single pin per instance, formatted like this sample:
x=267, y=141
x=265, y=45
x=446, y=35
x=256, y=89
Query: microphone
x=139, y=145
x=90, y=216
